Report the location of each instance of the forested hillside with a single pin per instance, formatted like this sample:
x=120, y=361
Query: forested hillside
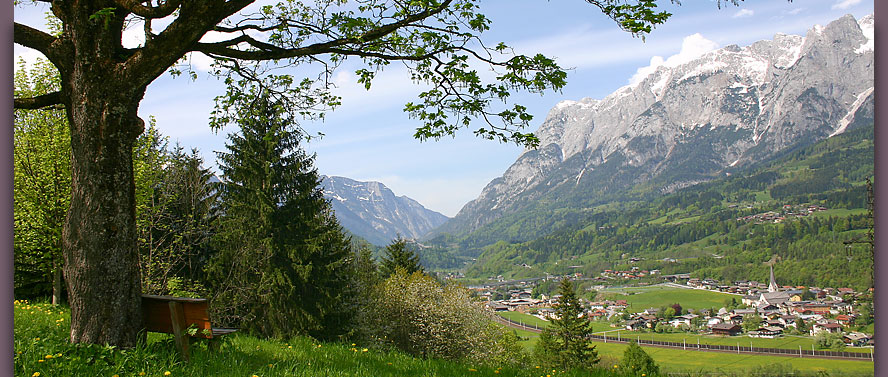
x=723, y=229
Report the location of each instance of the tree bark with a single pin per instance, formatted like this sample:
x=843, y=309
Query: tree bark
x=99, y=237
x=56, y=282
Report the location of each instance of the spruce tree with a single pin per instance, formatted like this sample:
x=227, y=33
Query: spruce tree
x=399, y=255
x=283, y=268
x=636, y=362
x=566, y=343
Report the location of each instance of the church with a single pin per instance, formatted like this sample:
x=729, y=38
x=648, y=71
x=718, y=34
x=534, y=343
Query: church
x=773, y=296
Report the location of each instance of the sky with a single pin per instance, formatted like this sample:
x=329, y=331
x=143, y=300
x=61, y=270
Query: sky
x=370, y=138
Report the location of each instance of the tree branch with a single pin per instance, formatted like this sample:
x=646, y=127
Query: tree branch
x=159, y=11
x=33, y=38
x=333, y=46
x=39, y=102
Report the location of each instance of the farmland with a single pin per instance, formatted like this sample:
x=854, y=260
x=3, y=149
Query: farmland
x=641, y=298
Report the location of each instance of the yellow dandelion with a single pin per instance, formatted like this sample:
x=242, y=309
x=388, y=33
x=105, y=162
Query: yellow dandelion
x=615, y=366
x=538, y=367
x=40, y=361
x=141, y=373
x=254, y=376
x=59, y=354
x=364, y=350
x=167, y=373
x=496, y=371
x=472, y=370
x=47, y=357
x=288, y=347
x=116, y=375
x=36, y=374
x=389, y=363
x=270, y=365
x=642, y=375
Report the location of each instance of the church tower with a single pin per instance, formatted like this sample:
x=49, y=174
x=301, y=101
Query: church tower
x=772, y=287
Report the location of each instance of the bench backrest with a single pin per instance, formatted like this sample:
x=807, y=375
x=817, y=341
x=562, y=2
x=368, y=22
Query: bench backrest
x=156, y=314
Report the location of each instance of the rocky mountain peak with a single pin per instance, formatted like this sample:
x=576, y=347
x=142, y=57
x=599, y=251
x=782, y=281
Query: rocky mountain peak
x=690, y=120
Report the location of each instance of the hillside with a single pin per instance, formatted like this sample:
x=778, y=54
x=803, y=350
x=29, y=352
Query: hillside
x=724, y=228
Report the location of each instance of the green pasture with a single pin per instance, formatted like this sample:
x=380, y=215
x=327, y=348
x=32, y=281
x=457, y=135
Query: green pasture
x=641, y=298
x=677, y=361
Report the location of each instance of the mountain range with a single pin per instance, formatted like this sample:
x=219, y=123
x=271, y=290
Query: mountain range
x=373, y=212
x=682, y=125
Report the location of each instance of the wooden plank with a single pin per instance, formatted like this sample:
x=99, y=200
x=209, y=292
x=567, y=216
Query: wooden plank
x=177, y=317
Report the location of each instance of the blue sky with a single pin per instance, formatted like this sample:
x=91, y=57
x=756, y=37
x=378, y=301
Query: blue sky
x=370, y=138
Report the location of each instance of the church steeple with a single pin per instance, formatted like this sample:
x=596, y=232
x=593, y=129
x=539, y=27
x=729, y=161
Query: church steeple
x=772, y=287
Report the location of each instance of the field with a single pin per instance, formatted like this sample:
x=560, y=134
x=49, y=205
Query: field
x=641, y=298
x=678, y=361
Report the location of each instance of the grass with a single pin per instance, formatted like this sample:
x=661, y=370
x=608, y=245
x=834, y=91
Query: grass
x=41, y=349
x=785, y=342
x=676, y=361
x=642, y=298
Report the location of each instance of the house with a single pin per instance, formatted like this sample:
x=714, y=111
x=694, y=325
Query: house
x=829, y=327
x=713, y=321
x=728, y=329
x=856, y=339
x=635, y=325
x=844, y=319
x=767, y=332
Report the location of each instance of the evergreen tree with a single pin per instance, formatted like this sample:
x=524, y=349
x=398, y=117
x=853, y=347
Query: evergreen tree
x=283, y=266
x=566, y=344
x=636, y=362
x=399, y=255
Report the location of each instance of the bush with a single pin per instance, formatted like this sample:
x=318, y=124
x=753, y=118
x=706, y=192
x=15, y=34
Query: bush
x=417, y=315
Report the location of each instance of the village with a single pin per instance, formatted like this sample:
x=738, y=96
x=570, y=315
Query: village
x=756, y=309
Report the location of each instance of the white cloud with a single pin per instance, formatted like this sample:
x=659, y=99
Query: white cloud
x=692, y=47
x=742, y=13
x=795, y=11
x=845, y=4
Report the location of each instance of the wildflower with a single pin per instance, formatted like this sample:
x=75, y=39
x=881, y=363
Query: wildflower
x=615, y=367
x=36, y=374
x=288, y=347
x=270, y=365
x=254, y=376
x=472, y=370
x=141, y=373
x=496, y=371
x=40, y=361
x=116, y=375
x=364, y=350
x=59, y=354
x=47, y=357
x=167, y=373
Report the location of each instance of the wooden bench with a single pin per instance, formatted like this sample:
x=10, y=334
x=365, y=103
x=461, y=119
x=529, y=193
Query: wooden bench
x=183, y=317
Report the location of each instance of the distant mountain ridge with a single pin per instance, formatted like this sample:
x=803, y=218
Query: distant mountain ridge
x=683, y=125
x=372, y=211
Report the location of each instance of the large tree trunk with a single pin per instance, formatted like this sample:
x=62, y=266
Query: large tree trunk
x=99, y=237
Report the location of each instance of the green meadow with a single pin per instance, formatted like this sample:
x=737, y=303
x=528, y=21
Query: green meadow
x=641, y=298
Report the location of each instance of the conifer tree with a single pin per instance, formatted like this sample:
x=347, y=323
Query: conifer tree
x=636, y=362
x=284, y=261
x=399, y=255
x=566, y=344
